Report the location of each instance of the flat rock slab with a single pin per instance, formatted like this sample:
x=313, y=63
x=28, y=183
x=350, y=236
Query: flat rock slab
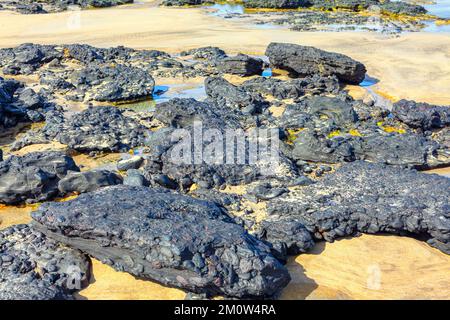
x=305, y=60
x=33, y=177
x=175, y=240
x=370, y=198
x=95, y=129
x=34, y=267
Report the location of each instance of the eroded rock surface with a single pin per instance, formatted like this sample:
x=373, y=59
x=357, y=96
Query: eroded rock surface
x=362, y=197
x=19, y=103
x=33, y=177
x=34, y=267
x=172, y=239
x=94, y=129
x=305, y=60
x=422, y=115
x=50, y=6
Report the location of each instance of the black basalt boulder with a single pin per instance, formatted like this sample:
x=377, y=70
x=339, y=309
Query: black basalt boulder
x=242, y=65
x=33, y=177
x=175, y=240
x=276, y=4
x=363, y=197
x=422, y=115
x=34, y=267
x=228, y=96
x=96, y=129
x=304, y=60
x=88, y=181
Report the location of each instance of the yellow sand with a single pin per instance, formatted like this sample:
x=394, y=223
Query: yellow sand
x=12, y=215
x=414, y=66
x=370, y=267
x=108, y=284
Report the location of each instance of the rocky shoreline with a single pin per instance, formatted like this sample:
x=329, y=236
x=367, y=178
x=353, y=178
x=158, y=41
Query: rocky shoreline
x=51, y=6
x=388, y=17
x=345, y=166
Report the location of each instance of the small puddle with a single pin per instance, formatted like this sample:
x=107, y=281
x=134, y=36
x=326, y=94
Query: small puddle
x=163, y=93
x=267, y=73
x=439, y=9
x=431, y=26
x=226, y=9
x=368, y=82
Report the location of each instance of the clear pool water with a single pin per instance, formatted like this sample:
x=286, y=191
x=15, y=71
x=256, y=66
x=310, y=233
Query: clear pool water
x=227, y=9
x=267, y=73
x=368, y=81
x=440, y=9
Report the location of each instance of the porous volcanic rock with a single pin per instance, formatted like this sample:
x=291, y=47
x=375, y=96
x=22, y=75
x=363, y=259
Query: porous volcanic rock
x=49, y=6
x=34, y=267
x=293, y=89
x=363, y=197
x=421, y=115
x=88, y=181
x=92, y=130
x=304, y=60
x=228, y=96
x=165, y=237
x=275, y=4
x=106, y=82
x=180, y=3
x=33, y=177
x=242, y=65
x=19, y=103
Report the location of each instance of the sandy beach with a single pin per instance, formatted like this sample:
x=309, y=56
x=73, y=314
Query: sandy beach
x=413, y=66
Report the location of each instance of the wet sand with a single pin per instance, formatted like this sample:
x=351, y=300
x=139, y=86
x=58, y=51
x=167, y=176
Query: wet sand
x=370, y=267
x=413, y=66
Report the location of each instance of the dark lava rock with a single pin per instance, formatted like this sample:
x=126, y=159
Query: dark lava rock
x=21, y=104
x=286, y=238
x=229, y=96
x=293, y=89
x=353, y=5
x=103, y=129
x=221, y=158
x=106, y=82
x=180, y=3
x=34, y=267
x=275, y=4
x=218, y=175
x=134, y=178
x=182, y=113
x=27, y=58
x=88, y=181
x=210, y=53
x=94, y=129
x=370, y=198
x=421, y=115
x=37, y=6
x=304, y=60
x=341, y=112
x=33, y=177
x=402, y=8
x=172, y=239
x=309, y=146
x=389, y=148
x=131, y=163
x=266, y=191
x=242, y=65
x=397, y=149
